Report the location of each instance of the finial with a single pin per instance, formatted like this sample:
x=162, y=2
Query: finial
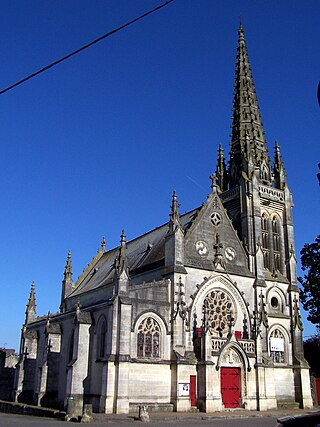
x=103, y=243
x=32, y=291
x=31, y=305
x=68, y=267
x=241, y=29
x=214, y=184
x=122, y=238
x=174, y=222
x=278, y=168
x=174, y=206
x=121, y=260
x=221, y=171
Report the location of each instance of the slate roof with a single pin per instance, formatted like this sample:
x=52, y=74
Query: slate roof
x=144, y=253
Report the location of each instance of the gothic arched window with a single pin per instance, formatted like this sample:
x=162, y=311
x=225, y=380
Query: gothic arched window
x=277, y=346
x=148, y=338
x=102, y=339
x=265, y=241
x=71, y=347
x=276, y=243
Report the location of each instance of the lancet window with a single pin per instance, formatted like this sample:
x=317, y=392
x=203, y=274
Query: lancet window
x=71, y=347
x=277, y=346
x=102, y=339
x=148, y=338
x=276, y=243
x=271, y=242
x=265, y=241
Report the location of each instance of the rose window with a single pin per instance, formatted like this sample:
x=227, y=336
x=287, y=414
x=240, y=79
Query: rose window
x=220, y=312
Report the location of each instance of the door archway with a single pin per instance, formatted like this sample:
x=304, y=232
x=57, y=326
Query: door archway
x=232, y=378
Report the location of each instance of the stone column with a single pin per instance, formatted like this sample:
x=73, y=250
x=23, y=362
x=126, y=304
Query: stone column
x=78, y=369
x=123, y=356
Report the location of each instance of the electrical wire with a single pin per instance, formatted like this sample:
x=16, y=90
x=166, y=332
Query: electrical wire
x=46, y=68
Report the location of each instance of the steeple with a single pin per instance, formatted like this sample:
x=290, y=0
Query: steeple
x=248, y=144
x=67, y=282
x=31, y=305
x=174, y=222
x=278, y=168
x=221, y=171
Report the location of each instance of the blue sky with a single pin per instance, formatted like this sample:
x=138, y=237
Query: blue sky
x=98, y=143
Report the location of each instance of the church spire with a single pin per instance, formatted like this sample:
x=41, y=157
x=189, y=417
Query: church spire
x=247, y=127
x=31, y=305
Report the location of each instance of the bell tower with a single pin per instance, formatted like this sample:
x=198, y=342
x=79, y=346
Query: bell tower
x=255, y=192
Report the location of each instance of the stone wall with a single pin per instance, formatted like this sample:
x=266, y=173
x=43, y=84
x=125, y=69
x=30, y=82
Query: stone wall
x=8, y=360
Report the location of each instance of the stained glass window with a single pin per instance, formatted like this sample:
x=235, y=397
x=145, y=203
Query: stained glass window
x=219, y=311
x=148, y=339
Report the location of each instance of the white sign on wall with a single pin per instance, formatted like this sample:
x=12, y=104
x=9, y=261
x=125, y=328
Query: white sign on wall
x=184, y=389
x=276, y=344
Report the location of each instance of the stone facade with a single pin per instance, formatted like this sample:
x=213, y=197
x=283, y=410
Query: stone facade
x=8, y=361
x=202, y=311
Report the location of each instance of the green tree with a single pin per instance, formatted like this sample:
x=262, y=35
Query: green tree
x=312, y=354
x=310, y=293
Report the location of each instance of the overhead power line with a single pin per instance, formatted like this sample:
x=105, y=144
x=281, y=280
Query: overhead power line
x=99, y=39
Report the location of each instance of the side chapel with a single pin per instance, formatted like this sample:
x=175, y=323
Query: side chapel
x=203, y=311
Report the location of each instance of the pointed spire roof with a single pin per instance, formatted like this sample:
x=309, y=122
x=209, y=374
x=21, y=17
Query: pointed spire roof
x=247, y=127
x=278, y=168
x=174, y=222
x=221, y=171
x=68, y=267
x=31, y=305
x=121, y=263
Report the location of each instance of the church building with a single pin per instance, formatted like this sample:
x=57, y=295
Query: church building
x=201, y=312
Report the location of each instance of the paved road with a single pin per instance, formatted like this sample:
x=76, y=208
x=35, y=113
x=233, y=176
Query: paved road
x=9, y=420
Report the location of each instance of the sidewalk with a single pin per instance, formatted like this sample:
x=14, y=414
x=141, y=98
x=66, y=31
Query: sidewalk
x=198, y=416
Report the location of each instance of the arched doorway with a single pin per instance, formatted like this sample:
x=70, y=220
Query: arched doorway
x=232, y=380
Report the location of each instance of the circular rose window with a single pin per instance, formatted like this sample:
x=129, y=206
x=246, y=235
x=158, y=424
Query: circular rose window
x=220, y=312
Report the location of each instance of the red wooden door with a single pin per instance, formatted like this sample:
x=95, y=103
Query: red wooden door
x=193, y=390
x=230, y=387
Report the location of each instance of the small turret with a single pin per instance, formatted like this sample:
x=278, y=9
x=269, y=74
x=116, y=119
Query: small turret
x=31, y=305
x=278, y=168
x=67, y=282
